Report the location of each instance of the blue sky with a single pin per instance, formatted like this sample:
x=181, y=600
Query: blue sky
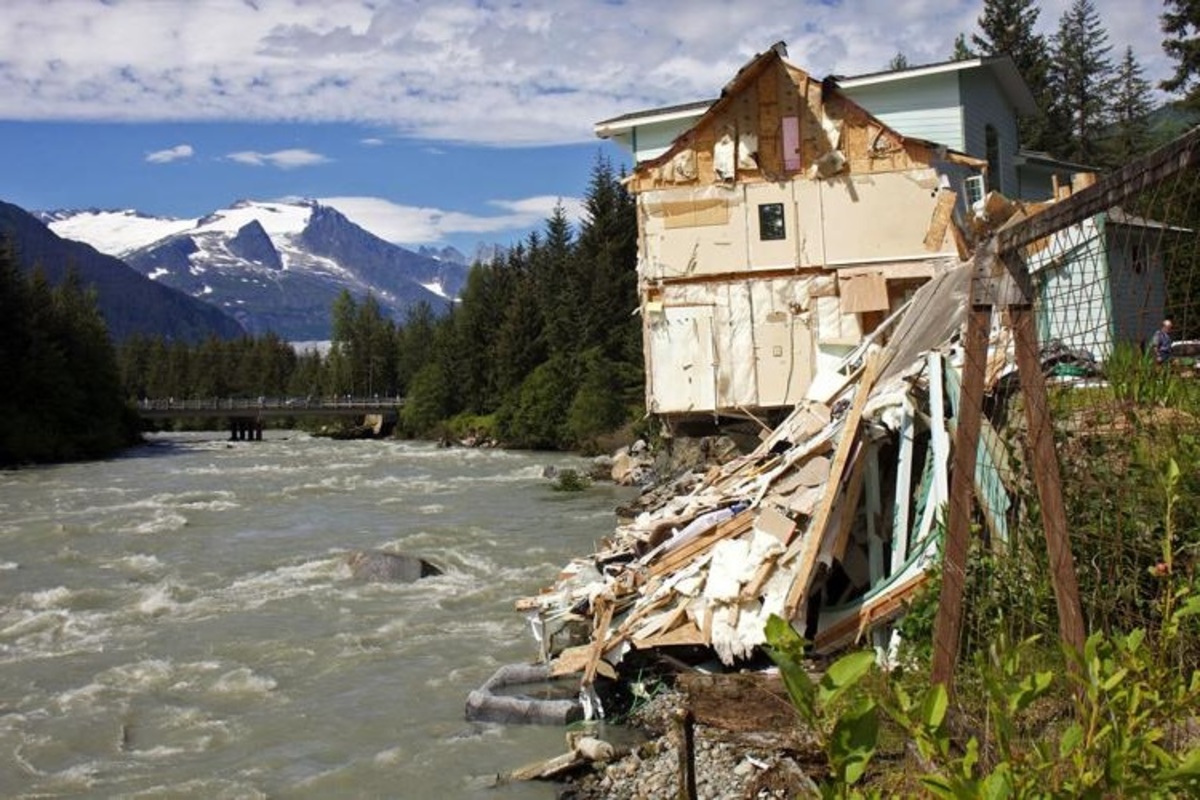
x=435, y=122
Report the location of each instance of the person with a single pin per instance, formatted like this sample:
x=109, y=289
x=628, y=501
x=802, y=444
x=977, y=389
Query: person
x=1160, y=343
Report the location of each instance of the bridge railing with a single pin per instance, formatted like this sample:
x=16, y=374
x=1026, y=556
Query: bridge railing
x=223, y=405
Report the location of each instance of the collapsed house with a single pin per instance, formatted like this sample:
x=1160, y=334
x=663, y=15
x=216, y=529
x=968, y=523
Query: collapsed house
x=801, y=262
x=780, y=228
x=830, y=523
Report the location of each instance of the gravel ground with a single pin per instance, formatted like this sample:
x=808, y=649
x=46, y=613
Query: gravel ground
x=728, y=766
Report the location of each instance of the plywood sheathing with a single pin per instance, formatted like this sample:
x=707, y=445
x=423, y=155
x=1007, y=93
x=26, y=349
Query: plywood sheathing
x=756, y=102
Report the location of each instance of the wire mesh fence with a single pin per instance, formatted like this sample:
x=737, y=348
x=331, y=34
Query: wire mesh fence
x=1086, y=365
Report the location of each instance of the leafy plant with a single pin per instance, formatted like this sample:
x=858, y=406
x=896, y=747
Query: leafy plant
x=569, y=480
x=844, y=720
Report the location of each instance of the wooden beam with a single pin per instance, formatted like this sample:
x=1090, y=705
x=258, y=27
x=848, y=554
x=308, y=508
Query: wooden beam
x=809, y=545
x=947, y=626
x=1112, y=190
x=1048, y=478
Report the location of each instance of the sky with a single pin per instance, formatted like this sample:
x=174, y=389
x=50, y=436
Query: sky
x=428, y=122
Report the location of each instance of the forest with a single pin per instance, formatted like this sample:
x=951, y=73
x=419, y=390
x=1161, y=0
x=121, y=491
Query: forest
x=542, y=350
x=63, y=400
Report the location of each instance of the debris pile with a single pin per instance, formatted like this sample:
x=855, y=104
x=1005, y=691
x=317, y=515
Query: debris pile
x=829, y=522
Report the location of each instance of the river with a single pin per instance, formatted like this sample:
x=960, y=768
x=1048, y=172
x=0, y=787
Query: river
x=180, y=621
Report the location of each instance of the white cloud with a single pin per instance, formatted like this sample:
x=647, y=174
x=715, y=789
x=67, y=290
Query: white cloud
x=371, y=141
x=538, y=72
x=170, y=154
x=283, y=159
x=414, y=225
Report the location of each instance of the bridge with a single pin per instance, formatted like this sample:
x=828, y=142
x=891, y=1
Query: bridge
x=246, y=415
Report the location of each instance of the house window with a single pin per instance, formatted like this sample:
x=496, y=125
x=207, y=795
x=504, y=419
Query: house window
x=770, y=222
x=1137, y=258
x=973, y=188
x=991, y=141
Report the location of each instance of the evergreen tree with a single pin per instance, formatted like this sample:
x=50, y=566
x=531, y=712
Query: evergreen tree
x=898, y=62
x=1181, y=24
x=1081, y=77
x=561, y=281
x=414, y=344
x=1130, y=134
x=1006, y=27
x=63, y=398
x=480, y=316
x=962, y=50
x=521, y=339
x=608, y=252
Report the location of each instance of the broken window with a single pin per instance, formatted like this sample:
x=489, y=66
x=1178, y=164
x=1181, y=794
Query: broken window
x=771, y=225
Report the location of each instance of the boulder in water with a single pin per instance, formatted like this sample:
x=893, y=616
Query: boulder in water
x=377, y=565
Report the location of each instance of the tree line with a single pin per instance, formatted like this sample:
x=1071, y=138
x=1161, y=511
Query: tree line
x=62, y=398
x=542, y=349
x=1094, y=108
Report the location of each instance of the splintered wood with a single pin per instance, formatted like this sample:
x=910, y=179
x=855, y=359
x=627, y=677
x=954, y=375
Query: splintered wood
x=697, y=575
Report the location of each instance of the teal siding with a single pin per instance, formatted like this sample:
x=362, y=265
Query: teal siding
x=1074, y=293
x=651, y=141
x=924, y=108
x=984, y=104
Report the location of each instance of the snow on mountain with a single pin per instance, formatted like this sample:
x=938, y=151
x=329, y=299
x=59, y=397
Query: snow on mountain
x=113, y=232
x=273, y=266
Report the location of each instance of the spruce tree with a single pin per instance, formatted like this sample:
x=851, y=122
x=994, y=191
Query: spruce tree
x=1006, y=27
x=962, y=51
x=1081, y=78
x=1130, y=132
x=1181, y=24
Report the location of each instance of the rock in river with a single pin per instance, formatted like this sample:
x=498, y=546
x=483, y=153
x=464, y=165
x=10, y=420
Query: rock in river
x=376, y=565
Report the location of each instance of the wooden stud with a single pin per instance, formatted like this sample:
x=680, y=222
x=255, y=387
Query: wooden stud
x=808, y=546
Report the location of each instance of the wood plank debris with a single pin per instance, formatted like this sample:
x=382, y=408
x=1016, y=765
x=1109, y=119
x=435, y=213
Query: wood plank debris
x=851, y=483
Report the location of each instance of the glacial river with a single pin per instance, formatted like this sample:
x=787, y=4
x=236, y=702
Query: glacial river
x=180, y=622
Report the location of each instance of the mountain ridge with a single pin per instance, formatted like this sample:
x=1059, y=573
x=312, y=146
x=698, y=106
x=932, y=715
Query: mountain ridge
x=271, y=265
x=129, y=302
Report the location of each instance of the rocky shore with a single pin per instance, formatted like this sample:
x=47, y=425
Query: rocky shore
x=728, y=765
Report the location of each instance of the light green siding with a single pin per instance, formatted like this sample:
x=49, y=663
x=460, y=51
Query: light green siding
x=984, y=104
x=927, y=107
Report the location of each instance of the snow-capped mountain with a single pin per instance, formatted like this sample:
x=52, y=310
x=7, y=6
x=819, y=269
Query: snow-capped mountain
x=273, y=266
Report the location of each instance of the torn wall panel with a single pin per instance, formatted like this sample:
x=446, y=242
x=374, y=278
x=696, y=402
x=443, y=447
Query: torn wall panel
x=881, y=216
x=682, y=376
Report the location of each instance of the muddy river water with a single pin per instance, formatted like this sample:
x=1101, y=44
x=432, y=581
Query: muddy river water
x=180, y=621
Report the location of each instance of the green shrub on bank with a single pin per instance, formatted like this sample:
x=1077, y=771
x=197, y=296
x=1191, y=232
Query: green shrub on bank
x=1126, y=735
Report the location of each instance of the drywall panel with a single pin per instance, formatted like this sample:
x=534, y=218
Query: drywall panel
x=783, y=359
x=681, y=358
x=734, y=319
x=690, y=232
x=877, y=216
x=763, y=202
x=810, y=240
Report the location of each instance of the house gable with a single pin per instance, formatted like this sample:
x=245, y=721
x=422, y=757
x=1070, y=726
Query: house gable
x=776, y=231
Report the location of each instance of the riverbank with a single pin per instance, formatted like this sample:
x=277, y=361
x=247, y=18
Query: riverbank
x=756, y=757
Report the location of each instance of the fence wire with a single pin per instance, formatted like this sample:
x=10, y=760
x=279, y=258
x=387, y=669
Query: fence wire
x=1105, y=267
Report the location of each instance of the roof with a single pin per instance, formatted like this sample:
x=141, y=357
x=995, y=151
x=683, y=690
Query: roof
x=1002, y=67
x=617, y=125
x=1037, y=158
